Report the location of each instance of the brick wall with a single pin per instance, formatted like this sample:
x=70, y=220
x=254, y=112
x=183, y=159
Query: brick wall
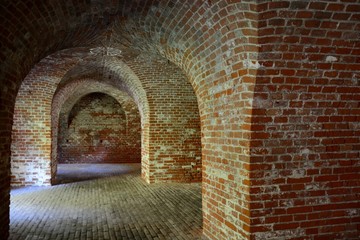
x=31, y=145
x=174, y=135
x=96, y=131
x=31, y=130
x=277, y=89
x=215, y=43
x=306, y=137
x=297, y=63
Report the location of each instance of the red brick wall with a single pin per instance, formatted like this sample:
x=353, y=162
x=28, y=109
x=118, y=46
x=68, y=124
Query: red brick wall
x=305, y=168
x=216, y=45
x=31, y=145
x=277, y=89
x=31, y=130
x=96, y=131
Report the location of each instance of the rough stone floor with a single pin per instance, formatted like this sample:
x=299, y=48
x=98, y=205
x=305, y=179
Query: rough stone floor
x=105, y=201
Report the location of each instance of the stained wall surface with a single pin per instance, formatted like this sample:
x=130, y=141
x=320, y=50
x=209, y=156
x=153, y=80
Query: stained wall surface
x=96, y=131
x=277, y=90
x=306, y=137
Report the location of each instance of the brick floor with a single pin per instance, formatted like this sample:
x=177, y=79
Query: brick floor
x=106, y=202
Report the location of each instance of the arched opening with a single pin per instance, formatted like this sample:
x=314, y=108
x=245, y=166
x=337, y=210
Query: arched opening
x=172, y=120
x=94, y=131
x=95, y=135
x=69, y=94
x=37, y=114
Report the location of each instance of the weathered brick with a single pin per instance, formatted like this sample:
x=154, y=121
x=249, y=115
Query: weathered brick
x=226, y=53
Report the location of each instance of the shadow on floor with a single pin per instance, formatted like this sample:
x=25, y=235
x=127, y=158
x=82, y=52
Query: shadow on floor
x=69, y=173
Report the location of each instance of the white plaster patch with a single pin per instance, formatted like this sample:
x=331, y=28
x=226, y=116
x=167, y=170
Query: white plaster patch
x=313, y=186
x=252, y=64
x=352, y=212
x=280, y=235
x=274, y=189
x=259, y=102
x=288, y=203
x=216, y=89
x=292, y=135
x=354, y=125
x=318, y=201
x=331, y=59
x=186, y=167
x=305, y=151
x=298, y=173
x=271, y=174
x=356, y=79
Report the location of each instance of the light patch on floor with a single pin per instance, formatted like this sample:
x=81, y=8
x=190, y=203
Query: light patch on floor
x=106, y=201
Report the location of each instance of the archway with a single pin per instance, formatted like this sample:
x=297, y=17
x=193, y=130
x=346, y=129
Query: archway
x=164, y=96
x=150, y=37
x=68, y=95
x=94, y=131
x=173, y=118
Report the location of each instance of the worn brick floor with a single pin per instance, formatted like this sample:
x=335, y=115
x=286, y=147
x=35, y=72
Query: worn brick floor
x=106, y=202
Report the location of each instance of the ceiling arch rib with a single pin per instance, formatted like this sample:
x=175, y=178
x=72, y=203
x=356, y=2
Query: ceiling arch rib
x=111, y=71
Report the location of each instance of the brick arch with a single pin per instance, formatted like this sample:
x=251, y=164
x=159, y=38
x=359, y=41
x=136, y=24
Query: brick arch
x=88, y=134
x=94, y=131
x=65, y=98
x=113, y=71
x=201, y=76
x=119, y=75
x=37, y=91
x=167, y=92
x=170, y=88
x=217, y=48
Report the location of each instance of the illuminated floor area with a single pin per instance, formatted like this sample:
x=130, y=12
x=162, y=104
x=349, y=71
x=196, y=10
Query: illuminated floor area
x=106, y=202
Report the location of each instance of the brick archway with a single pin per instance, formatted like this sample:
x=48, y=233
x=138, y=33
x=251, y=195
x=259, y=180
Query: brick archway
x=166, y=84
x=32, y=119
x=65, y=98
x=93, y=131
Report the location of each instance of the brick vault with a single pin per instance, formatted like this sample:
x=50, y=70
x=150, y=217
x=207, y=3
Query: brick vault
x=258, y=99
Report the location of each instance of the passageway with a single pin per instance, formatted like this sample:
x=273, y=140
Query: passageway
x=114, y=204
x=256, y=99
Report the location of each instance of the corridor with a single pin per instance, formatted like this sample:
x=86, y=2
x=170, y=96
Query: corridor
x=105, y=201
